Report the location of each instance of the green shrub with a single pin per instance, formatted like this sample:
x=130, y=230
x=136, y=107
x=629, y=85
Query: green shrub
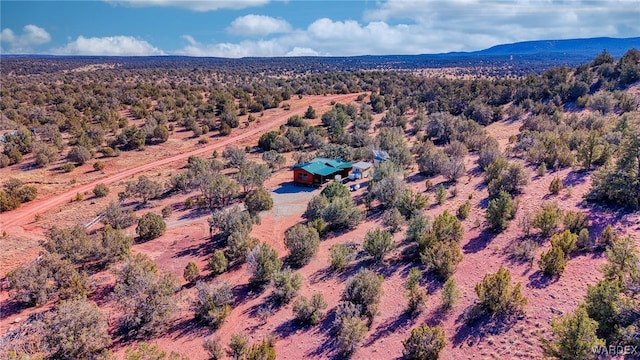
x=497, y=296
x=500, y=212
x=218, y=262
x=351, y=332
x=463, y=210
x=334, y=190
x=238, y=346
x=449, y=294
x=191, y=272
x=340, y=255
x=150, y=226
x=603, y=304
x=547, y=218
x=286, y=284
x=101, y=190
x=608, y=236
x=447, y=227
x=166, y=211
x=416, y=295
x=553, y=262
x=442, y=258
x=584, y=240
x=263, y=263
x=541, y=170
x=556, y=186
x=310, y=311
x=265, y=350
x=213, y=347
x=213, y=303
x=565, y=241
x=258, y=200
x=424, y=343
x=393, y=220
x=441, y=194
x=68, y=167
x=575, y=221
x=302, y=242
x=364, y=289
x=378, y=243
x=98, y=165
x=574, y=337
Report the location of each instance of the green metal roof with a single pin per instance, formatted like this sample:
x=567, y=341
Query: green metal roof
x=323, y=166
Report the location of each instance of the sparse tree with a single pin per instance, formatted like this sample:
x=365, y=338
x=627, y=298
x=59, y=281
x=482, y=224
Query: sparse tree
x=378, y=243
x=79, y=155
x=191, y=272
x=574, y=337
x=213, y=303
x=238, y=346
x=263, y=263
x=218, y=262
x=547, y=218
x=150, y=226
x=393, y=220
x=498, y=296
x=340, y=255
x=258, y=200
x=286, y=284
x=310, y=311
x=364, y=289
x=303, y=243
x=450, y=294
x=424, y=343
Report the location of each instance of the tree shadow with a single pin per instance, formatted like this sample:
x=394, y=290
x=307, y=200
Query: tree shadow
x=291, y=187
x=189, y=329
x=11, y=307
x=479, y=242
x=390, y=326
x=574, y=178
x=473, y=326
x=538, y=280
x=289, y=327
x=197, y=250
x=326, y=348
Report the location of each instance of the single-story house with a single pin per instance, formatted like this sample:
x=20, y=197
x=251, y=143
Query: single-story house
x=361, y=170
x=319, y=170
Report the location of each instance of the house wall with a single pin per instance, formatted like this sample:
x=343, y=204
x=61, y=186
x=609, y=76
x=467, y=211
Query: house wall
x=302, y=176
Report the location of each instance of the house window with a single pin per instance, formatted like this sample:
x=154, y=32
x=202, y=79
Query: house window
x=302, y=175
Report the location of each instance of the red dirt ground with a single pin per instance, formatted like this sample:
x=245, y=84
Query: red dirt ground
x=187, y=238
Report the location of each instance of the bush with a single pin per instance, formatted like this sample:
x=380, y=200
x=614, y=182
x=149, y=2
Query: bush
x=442, y=258
x=79, y=155
x=524, y=250
x=101, y=190
x=500, y=212
x=218, y=263
x=213, y=348
x=117, y=217
x=166, y=211
x=393, y=220
x=585, y=241
x=310, y=113
x=575, y=221
x=98, y=166
x=191, y=272
x=364, y=289
x=608, y=236
x=574, y=337
x=418, y=228
x=302, y=242
x=150, y=226
x=411, y=203
x=556, y=186
x=553, y=262
x=565, y=241
x=334, y=190
x=213, y=303
x=449, y=294
x=286, y=284
x=463, y=210
x=139, y=284
x=441, y=194
x=310, y=311
x=603, y=304
x=547, y=218
x=258, y=200
x=453, y=169
x=76, y=329
x=378, y=243
x=416, y=295
x=447, y=227
x=351, y=332
x=263, y=263
x=497, y=296
x=424, y=343
x=238, y=346
x=341, y=254
x=541, y=170
x=263, y=351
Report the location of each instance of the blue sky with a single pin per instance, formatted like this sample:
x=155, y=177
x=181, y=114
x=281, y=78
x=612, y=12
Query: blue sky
x=238, y=28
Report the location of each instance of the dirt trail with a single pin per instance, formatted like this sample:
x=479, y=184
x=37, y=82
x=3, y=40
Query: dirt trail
x=26, y=212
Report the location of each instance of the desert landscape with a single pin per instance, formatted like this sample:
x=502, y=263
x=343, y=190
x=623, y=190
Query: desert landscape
x=496, y=218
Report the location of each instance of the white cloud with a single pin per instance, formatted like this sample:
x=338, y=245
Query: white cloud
x=109, y=45
x=258, y=25
x=302, y=51
x=195, y=5
x=31, y=36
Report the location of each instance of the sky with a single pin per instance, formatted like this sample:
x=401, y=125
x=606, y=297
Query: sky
x=242, y=28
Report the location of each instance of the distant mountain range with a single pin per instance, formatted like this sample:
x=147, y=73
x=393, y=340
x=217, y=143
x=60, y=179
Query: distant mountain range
x=519, y=58
x=586, y=47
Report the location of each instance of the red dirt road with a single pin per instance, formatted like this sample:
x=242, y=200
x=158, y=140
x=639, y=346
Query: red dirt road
x=26, y=212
